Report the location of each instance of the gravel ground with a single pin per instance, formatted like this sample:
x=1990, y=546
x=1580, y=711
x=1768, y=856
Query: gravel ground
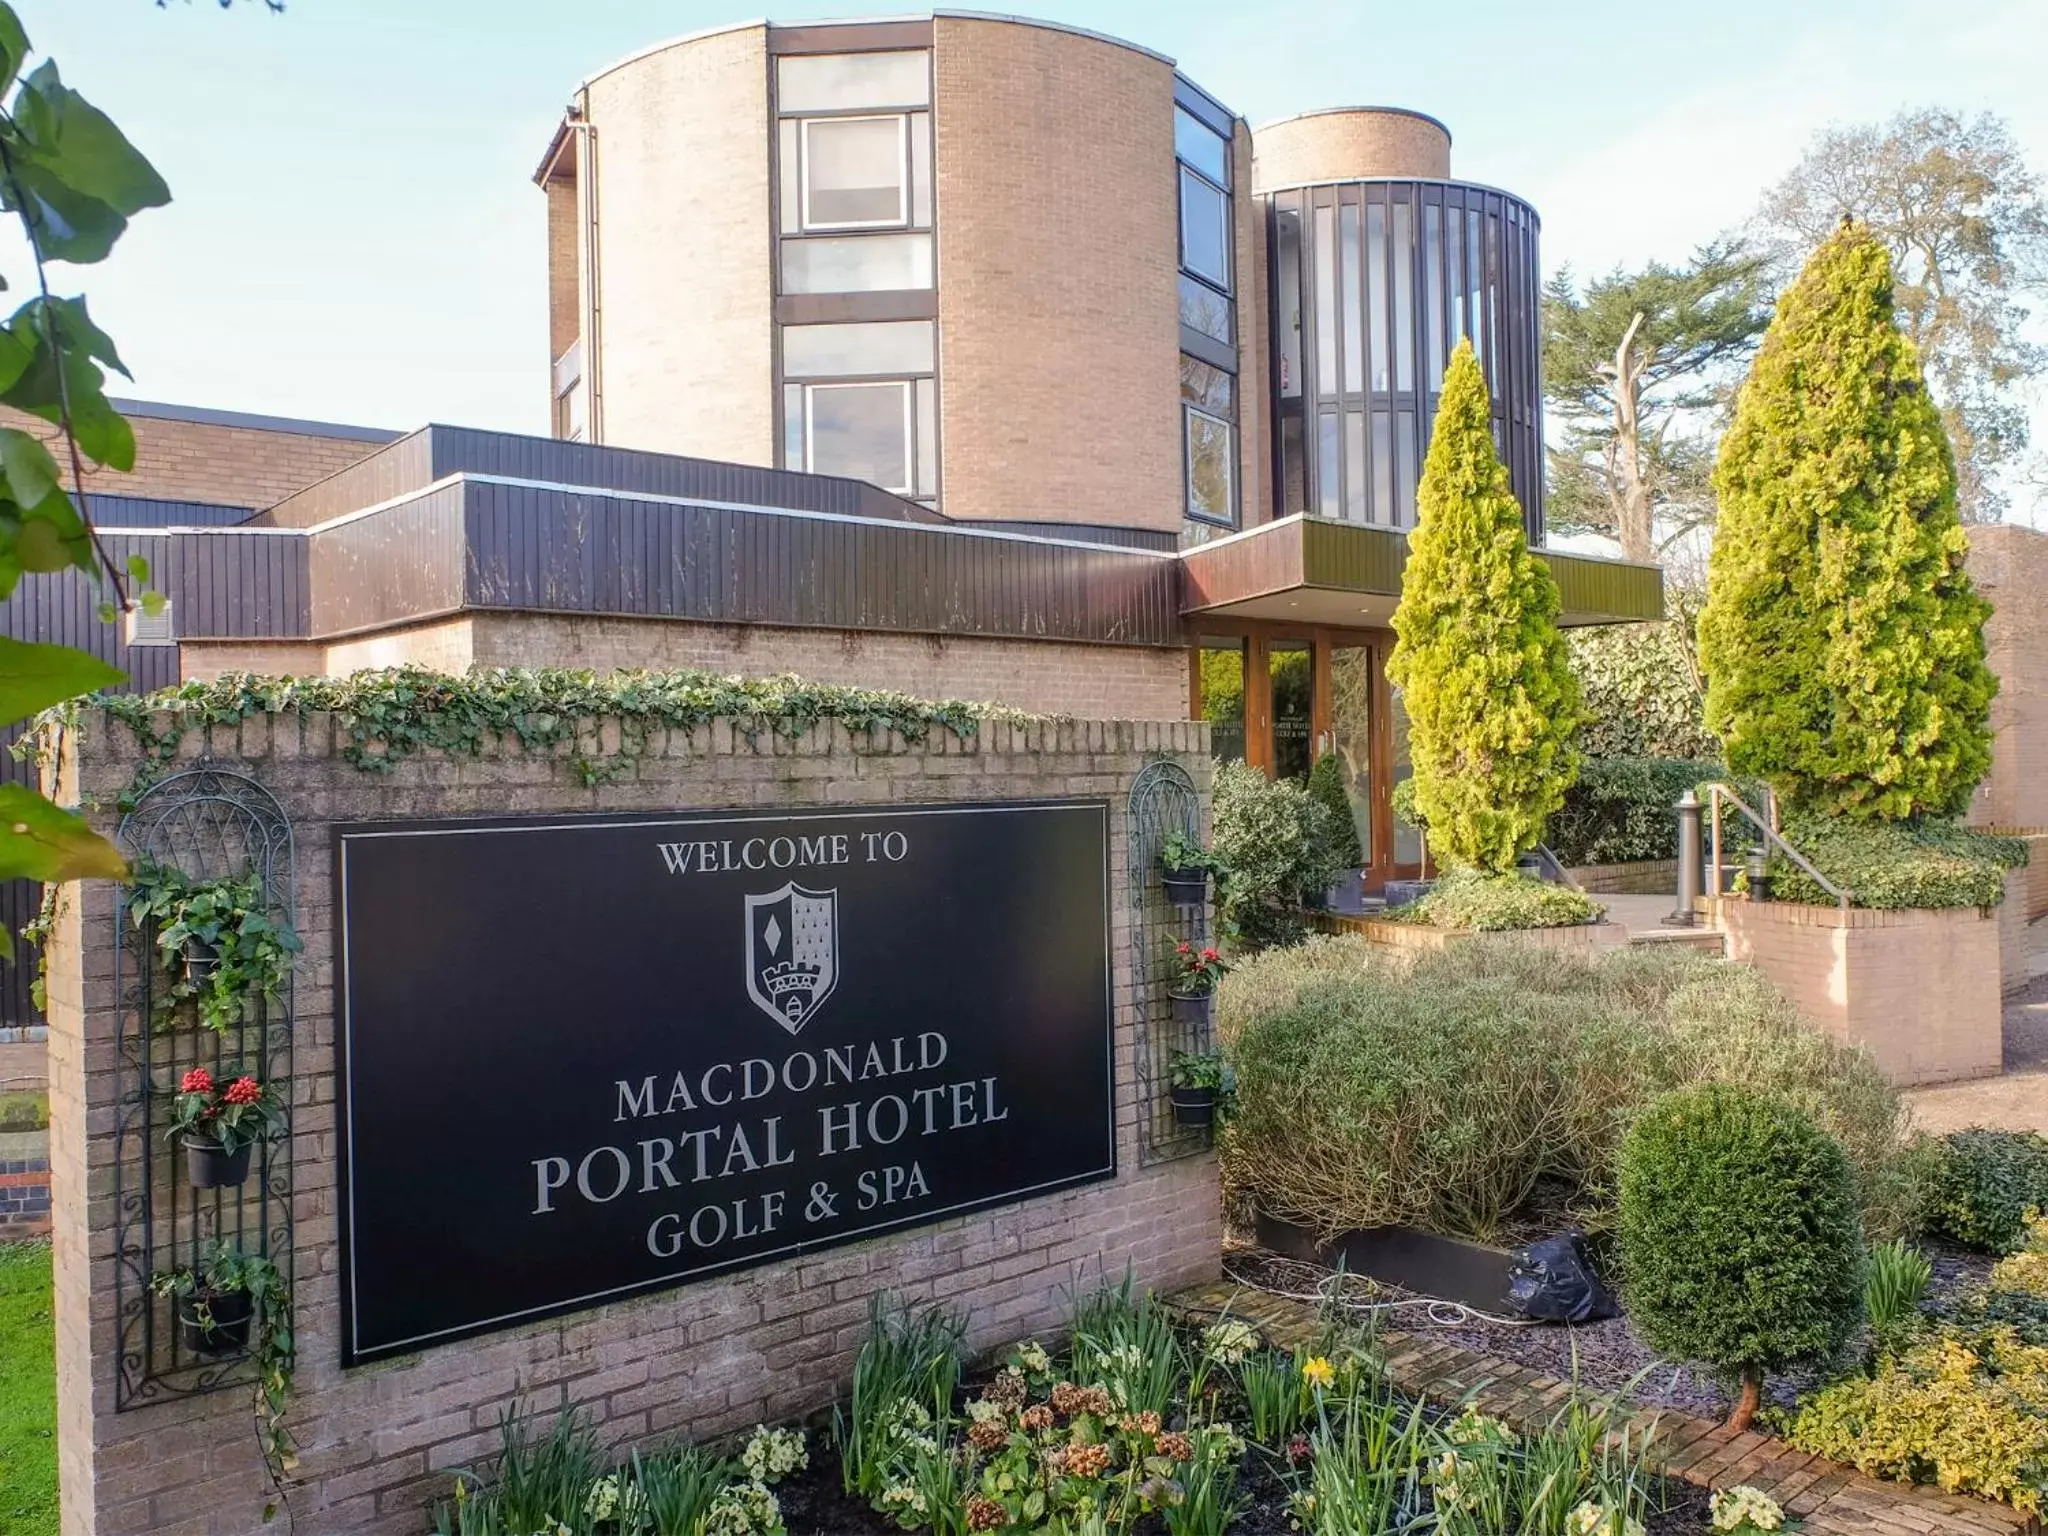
x=1607, y=1357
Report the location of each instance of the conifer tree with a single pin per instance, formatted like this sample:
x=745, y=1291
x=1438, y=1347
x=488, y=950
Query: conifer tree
x=1493, y=704
x=1842, y=639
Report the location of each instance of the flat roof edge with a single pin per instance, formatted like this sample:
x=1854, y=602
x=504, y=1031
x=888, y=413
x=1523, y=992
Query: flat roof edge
x=208, y=416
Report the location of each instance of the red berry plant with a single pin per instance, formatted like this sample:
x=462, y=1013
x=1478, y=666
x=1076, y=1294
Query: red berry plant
x=1196, y=971
x=231, y=1115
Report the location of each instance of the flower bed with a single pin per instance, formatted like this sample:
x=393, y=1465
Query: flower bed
x=1141, y=1426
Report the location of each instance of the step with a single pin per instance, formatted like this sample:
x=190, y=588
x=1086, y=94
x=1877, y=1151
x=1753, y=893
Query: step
x=1707, y=940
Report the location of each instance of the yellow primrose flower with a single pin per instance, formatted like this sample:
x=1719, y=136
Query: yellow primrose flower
x=1317, y=1371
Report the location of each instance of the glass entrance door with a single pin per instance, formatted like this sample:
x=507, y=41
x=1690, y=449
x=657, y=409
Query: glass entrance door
x=1291, y=668
x=1352, y=674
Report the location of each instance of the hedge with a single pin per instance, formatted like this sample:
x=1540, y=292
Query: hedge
x=1924, y=863
x=1620, y=810
x=1467, y=900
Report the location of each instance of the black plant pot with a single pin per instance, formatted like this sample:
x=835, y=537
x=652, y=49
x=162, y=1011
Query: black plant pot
x=1399, y=893
x=200, y=960
x=215, y=1322
x=1194, y=1106
x=208, y=1167
x=1191, y=1007
x=1186, y=887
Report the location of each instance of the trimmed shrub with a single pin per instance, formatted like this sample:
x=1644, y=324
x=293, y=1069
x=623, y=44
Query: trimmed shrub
x=1275, y=841
x=1326, y=788
x=1842, y=639
x=1967, y=1410
x=1459, y=1091
x=1643, y=691
x=1620, y=809
x=1887, y=864
x=1740, y=1242
x=1983, y=1184
x=1492, y=702
x=1467, y=899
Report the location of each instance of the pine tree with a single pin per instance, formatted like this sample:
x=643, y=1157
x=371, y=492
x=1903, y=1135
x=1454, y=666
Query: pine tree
x=1493, y=705
x=1842, y=639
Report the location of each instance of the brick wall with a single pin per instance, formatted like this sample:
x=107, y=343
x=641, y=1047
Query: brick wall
x=1919, y=988
x=377, y=1442
x=2010, y=567
x=24, y=1184
x=1346, y=145
x=684, y=278
x=1058, y=262
x=1045, y=676
x=1646, y=877
x=237, y=466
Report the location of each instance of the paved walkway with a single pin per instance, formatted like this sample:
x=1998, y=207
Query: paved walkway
x=1832, y=1500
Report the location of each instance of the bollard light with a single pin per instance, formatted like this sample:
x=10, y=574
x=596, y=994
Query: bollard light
x=1688, y=811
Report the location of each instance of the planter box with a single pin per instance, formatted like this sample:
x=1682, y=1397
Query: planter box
x=1380, y=930
x=1919, y=988
x=1648, y=877
x=1422, y=1262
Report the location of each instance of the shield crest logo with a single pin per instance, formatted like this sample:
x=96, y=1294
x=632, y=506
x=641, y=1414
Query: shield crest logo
x=792, y=953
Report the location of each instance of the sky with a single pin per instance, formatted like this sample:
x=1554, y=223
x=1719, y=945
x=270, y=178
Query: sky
x=355, y=236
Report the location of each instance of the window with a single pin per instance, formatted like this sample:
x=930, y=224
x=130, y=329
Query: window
x=885, y=347
x=857, y=264
x=1204, y=229
x=856, y=172
x=1211, y=479
x=1203, y=309
x=838, y=82
x=861, y=430
x=861, y=402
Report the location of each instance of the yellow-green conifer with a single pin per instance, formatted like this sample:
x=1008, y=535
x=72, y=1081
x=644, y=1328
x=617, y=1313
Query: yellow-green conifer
x=1493, y=704
x=1842, y=639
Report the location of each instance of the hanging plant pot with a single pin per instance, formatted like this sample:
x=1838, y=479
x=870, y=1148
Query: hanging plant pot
x=1191, y=1007
x=201, y=959
x=1185, y=887
x=215, y=1322
x=208, y=1166
x=1194, y=1106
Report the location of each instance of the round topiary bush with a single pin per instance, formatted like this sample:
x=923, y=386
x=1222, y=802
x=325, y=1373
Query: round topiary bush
x=1741, y=1244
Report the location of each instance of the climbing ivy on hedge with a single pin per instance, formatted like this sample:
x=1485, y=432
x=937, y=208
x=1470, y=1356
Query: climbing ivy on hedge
x=1842, y=639
x=388, y=716
x=1492, y=703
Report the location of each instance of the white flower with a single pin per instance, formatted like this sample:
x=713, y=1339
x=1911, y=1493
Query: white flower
x=1743, y=1508
x=1591, y=1519
x=742, y=1509
x=1230, y=1342
x=1033, y=1358
x=773, y=1454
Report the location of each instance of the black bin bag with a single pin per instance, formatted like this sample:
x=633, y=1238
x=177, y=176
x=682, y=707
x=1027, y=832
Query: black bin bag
x=1552, y=1281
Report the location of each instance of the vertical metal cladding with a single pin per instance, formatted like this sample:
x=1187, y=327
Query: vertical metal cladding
x=1374, y=283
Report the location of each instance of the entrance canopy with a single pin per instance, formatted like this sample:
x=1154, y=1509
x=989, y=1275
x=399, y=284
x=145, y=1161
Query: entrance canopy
x=1304, y=570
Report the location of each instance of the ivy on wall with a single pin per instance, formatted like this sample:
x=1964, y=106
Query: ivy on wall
x=388, y=716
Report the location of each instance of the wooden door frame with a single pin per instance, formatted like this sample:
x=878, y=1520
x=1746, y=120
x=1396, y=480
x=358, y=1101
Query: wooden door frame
x=1259, y=637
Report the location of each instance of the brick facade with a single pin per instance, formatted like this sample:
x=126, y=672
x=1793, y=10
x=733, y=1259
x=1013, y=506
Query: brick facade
x=1058, y=262
x=684, y=278
x=1347, y=144
x=378, y=1442
x=1920, y=988
x=230, y=462
x=2010, y=567
x=1044, y=676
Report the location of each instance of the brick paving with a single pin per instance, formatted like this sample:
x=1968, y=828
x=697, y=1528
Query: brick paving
x=1831, y=1500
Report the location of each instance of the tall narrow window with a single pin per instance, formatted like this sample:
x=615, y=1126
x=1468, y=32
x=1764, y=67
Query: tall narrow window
x=1433, y=292
x=1352, y=281
x=1287, y=267
x=1454, y=271
x=1354, y=467
x=1326, y=301
x=1327, y=481
x=1376, y=275
x=1404, y=332
x=1207, y=280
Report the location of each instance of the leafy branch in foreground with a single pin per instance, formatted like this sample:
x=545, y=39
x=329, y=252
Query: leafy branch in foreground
x=73, y=181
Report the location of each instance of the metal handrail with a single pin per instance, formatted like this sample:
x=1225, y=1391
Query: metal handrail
x=1716, y=793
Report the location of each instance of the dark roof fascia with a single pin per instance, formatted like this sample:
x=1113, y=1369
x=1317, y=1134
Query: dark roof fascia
x=206, y=416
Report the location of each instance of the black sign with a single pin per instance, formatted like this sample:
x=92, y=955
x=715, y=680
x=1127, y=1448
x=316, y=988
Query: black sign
x=590, y=1056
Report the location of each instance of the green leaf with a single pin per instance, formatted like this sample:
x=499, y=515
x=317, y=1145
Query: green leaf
x=61, y=333
x=30, y=472
x=52, y=535
x=34, y=677
x=107, y=612
x=154, y=603
x=138, y=569
x=13, y=45
x=77, y=179
x=40, y=841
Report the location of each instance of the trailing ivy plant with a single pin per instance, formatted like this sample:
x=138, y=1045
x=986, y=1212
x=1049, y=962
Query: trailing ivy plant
x=226, y=921
x=225, y=1270
x=386, y=717
x=73, y=181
